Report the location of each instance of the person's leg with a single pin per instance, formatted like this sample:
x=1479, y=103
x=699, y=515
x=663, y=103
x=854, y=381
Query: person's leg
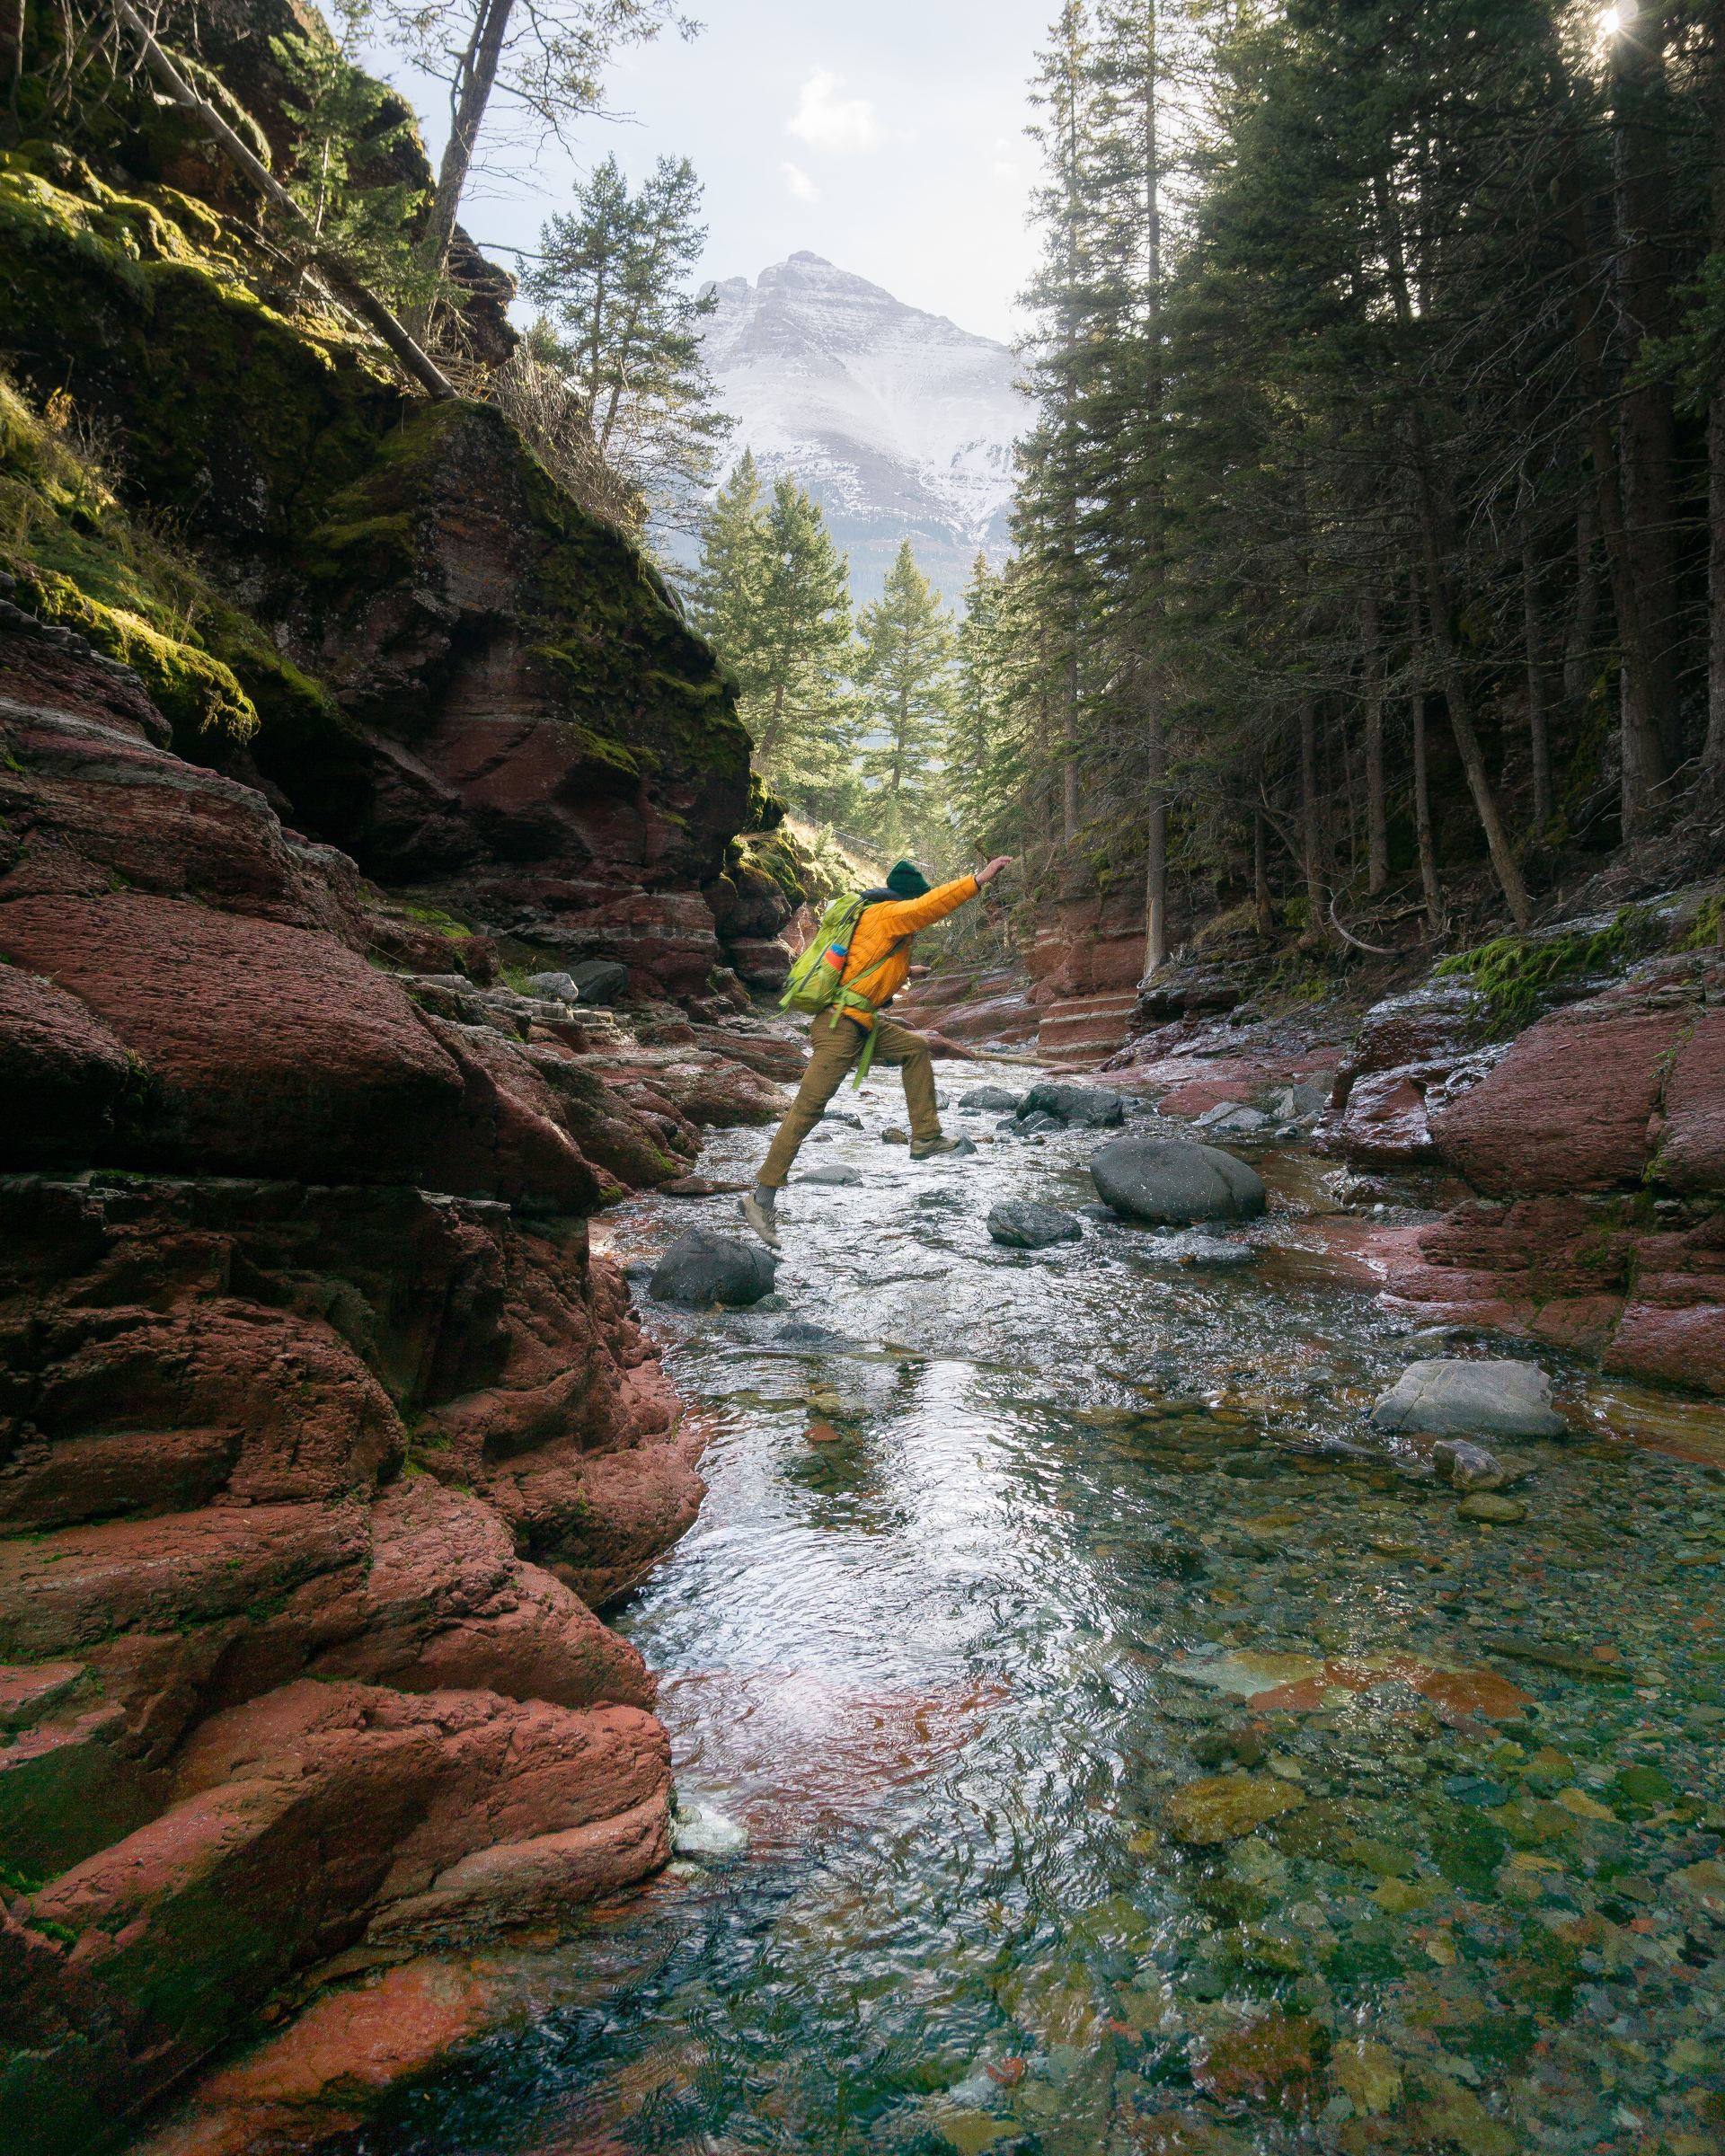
x=909, y=1051
x=836, y=1043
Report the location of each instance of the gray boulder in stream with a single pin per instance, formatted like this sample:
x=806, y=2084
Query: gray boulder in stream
x=1022, y=1227
x=1092, y=1106
x=701, y=1268
x=1473, y=1399
x=1174, y=1180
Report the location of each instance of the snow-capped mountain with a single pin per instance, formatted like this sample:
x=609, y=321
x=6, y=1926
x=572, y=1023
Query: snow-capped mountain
x=900, y=423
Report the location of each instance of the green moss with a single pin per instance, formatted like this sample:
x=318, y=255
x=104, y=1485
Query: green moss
x=1514, y=974
x=1709, y=927
x=192, y=689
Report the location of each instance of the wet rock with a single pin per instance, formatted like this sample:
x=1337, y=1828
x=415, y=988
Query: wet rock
x=559, y=988
x=1234, y=1116
x=1298, y=1100
x=1172, y=1180
x=841, y=1114
x=895, y=1136
x=1091, y=1107
x=1022, y=1227
x=836, y=1177
x=1096, y=1211
x=1494, y=1510
x=1223, y=1808
x=1491, y=1398
x=981, y=1099
x=701, y=1268
x=1468, y=1467
x=1273, y=2064
x=703, y=1830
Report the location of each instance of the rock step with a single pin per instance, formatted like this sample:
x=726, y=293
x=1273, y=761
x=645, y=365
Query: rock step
x=1084, y=1029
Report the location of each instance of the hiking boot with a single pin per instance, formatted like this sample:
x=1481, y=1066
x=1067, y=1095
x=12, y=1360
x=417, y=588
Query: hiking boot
x=924, y=1149
x=760, y=1218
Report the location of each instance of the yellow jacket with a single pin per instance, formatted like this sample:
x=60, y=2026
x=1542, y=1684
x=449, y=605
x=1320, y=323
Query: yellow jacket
x=880, y=926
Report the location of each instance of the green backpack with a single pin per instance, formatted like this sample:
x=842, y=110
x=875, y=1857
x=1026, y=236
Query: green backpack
x=818, y=980
x=819, y=974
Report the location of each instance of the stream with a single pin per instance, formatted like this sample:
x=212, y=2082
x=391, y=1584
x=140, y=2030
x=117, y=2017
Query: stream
x=1134, y=1755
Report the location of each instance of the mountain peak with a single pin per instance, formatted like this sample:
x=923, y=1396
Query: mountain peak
x=900, y=423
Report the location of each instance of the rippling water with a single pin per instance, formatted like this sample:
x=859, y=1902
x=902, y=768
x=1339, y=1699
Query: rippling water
x=1132, y=1756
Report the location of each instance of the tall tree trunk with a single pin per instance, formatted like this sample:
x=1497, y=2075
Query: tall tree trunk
x=1429, y=885
x=1434, y=535
x=1317, y=932
x=469, y=95
x=1155, y=832
x=1069, y=762
x=1641, y=128
x=1713, y=754
x=1643, y=749
x=1378, y=829
x=1584, y=607
x=1539, y=754
x=1155, y=872
x=1262, y=903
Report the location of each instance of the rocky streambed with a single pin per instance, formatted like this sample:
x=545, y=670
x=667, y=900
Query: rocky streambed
x=1094, y=1733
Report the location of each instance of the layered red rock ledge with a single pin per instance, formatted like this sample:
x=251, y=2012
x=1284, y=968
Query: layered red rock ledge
x=1595, y=1144
x=320, y=1430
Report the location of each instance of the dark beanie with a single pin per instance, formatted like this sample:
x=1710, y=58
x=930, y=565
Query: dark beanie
x=907, y=880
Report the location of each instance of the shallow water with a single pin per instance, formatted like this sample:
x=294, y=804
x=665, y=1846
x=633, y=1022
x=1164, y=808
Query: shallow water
x=1084, y=1528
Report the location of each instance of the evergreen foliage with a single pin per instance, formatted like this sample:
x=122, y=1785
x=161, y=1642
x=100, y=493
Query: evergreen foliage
x=772, y=595
x=349, y=126
x=622, y=327
x=904, y=671
x=1373, y=528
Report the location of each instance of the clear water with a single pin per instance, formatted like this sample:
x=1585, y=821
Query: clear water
x=955, y=1666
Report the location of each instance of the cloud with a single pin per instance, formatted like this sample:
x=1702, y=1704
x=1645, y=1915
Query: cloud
x=801, y=185
x=828, y=121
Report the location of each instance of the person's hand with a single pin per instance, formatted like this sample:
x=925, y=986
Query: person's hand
x=987, y=876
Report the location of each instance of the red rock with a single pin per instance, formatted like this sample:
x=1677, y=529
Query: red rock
x=1384, y=1123
x=1692, y=1144
x=96, y=801
x=508, y=1137
x=64, y=1077
x=1679, y=1346
x=762, y=962
x=1568, y=1109
x=319, y=2077
x=277, y=1050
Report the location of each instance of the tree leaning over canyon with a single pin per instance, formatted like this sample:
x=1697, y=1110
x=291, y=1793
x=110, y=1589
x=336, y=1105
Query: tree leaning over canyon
x=545, y=58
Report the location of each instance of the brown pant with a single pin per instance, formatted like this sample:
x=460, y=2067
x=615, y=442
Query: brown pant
x=837, y=1042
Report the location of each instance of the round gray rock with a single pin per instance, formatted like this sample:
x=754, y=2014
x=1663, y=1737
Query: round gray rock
x=1472, y=1399
x=1174, y=1180
x=981, y=1097
x=561, y=987
x=1092, y=1106
x=1022, y=1227
x=701, y=1268
x=836, y=1177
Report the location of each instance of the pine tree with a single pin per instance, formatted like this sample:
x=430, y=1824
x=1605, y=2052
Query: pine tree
x=348, y=125
x=904, y=673
x=772, y=593
x=624, y=326
x=728, y=587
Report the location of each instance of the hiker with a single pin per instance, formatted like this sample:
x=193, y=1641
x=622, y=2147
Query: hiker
x=859, y=961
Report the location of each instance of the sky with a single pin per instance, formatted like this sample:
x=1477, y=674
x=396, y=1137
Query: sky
x=885, y=135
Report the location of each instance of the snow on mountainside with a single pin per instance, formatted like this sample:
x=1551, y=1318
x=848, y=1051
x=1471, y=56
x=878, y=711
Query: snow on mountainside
x=902, y=424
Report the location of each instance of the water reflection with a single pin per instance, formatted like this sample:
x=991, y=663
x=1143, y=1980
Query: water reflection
x=1134, y=1756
